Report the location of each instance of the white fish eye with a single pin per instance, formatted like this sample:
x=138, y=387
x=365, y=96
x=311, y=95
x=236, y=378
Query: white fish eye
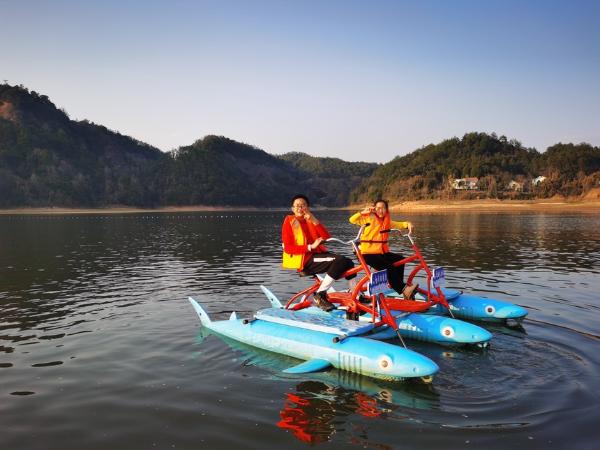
x=489, y=309
x=448, y=332
x=385, y=362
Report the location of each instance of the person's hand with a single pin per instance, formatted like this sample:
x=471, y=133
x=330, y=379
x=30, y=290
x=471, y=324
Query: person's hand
x=368, y=210
x=309, y=216
x=317, y=242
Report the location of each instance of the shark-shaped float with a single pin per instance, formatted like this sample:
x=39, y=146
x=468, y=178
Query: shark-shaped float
x=322, y=341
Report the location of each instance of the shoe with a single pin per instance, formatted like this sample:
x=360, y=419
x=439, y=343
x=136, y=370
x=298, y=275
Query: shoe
x=352, y=315
x=322, y=301
x=409, y=291
x=364, y=300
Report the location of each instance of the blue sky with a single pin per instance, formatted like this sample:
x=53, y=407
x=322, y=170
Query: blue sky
x=355, y=80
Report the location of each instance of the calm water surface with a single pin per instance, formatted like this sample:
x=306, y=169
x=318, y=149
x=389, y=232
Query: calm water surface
x=99, y=347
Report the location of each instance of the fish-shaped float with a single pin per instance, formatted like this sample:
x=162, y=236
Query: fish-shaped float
x=474, y=307
x=322, y=342
x=425, y=327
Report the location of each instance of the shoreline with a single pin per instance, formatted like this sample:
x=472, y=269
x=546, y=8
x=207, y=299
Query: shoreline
x=125, y=210
x=426, y=206
x=489, y=205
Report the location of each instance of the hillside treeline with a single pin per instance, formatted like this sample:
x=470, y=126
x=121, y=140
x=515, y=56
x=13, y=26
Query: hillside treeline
x=331, y=180
x=503, y=168
x=47, y=159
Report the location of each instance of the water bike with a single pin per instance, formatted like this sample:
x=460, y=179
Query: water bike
x=390, y=316
x=456, y=303
x=322, y=341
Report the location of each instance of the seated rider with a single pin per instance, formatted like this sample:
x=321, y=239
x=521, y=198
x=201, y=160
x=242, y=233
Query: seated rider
x=374, y=244
x=303, y=235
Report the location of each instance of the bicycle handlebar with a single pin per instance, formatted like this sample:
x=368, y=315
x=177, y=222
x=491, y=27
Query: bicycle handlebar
x=408, y=235
x=356, y=240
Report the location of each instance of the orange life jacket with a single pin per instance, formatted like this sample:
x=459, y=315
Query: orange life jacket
x=297, y=260
x=294, y=261
x=373, y=241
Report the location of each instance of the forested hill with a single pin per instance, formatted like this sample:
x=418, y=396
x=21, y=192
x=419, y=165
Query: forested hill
x=219, y=171
x=496, y=162
x=47, y=159
x=331, y=179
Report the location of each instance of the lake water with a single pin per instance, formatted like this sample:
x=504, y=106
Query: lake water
x=99, y=348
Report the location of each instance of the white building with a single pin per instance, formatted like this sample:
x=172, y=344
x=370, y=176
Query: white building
x=515, y=186
x=465, y=184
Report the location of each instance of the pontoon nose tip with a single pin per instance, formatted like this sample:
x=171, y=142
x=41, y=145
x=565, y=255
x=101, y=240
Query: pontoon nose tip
x=469, y=333
x=426, y=367
x=511, y=312
x=482, y=335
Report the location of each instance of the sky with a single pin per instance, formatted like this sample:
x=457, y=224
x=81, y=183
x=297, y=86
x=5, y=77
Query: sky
x=357, y=80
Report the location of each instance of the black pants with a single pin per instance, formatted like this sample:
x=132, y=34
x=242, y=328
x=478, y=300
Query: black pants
x=383, y=261
x=330, y=263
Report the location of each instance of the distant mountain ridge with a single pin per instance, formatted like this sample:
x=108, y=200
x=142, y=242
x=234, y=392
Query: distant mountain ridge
x=47, y=159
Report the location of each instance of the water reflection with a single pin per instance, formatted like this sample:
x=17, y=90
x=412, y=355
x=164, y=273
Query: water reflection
x=498, y=242
x=322, y=403
x=315, y=411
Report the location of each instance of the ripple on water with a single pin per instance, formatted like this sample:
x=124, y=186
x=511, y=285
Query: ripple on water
x=520, y=380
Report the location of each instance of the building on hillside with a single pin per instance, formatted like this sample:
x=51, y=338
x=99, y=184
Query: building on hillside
x=515, y=186
x=538, y=180
x=465, y=184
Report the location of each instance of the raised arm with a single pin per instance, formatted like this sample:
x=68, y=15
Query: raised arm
x=395, y=224
x=362, y=217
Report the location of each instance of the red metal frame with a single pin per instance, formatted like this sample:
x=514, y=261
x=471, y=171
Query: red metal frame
x=379, y=302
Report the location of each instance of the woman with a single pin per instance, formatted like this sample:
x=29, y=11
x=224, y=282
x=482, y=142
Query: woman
x=303, y=235
x=374, y=244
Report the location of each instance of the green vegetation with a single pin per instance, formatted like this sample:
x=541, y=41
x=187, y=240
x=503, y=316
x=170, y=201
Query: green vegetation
x=330, y=180
x=428, y=172
x=47, y=159
x=571, y=170
x=218, y=171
